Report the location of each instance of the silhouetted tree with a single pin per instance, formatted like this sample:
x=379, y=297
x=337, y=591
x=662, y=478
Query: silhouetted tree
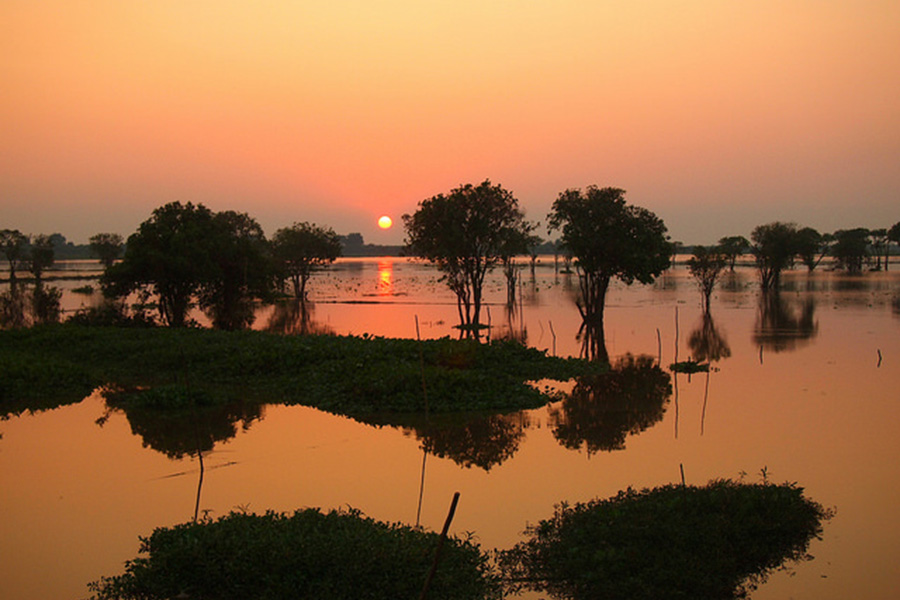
x=812, y=247
x=42, y=256
x=893, y=236
x=107, y=247
x=14, y=245
x=706, y=266
x=879, y=240
x=516, y=242
x=241, y=270
x=464, y=233
x=851, y=248
x=774, y=246
x=169, y=256
x=732, y=247
x=301, y=249
x=608, y=238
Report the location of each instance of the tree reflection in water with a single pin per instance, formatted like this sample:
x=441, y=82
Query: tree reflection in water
x=470, y=439
x=182, y=432
x=779, y=327
x=707, y=342
x=604, y=409
x=294, y=317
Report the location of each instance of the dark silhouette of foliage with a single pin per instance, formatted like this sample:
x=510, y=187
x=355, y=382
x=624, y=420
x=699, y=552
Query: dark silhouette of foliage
x=732, y=247
x=41, y=255
x=604, y=409
x=107, y=247
x=851, y=248
x=672, y=542
x=241, y=270
x=14, y=245
x=706, y=267
x=303, y=248
x=707, y=343
x=466, y=234
x=608, y=239
x=880, y=243
x=184, y=253
x=774, y=246
x=338, y=555
x=812, y=247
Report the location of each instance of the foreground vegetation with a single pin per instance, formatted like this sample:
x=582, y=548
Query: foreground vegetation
x=51, y=365
x=716, y=541
x=309, y=554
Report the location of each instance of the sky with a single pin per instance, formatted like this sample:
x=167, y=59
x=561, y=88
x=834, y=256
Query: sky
x=718, y=116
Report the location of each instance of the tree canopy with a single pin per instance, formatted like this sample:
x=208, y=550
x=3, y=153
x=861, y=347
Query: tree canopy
x=466, y=234
x=774, y=246
x=185, y=252
x=303, y=248
x=706, y=267
x=851, y=248
x=14, y=245
x=107, y=247
x=608, y=238
x=733, y=246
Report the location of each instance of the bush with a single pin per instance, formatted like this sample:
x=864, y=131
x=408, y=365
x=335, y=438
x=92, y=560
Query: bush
x=308, y=554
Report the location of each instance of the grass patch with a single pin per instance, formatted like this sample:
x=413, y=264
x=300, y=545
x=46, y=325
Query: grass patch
x=308, y=554
x=716, y=541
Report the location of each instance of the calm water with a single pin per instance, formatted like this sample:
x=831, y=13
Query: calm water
x=805, y=388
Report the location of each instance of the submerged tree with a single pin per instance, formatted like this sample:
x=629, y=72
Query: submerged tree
x=851, y=248
x=706, y=266
x=732, y=247
x=774, y=246
x=107, y=247
x=301, y=249
x=893, y=235
x=241, y=270
x=466, y=234
x=608, y=238
x=14, y=245
x=812, y=247
x=41, y=256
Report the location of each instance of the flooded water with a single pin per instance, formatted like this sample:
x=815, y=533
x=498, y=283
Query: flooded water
x=804, y=388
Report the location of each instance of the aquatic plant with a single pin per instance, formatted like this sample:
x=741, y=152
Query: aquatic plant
x=307, y=554
x=716, y=541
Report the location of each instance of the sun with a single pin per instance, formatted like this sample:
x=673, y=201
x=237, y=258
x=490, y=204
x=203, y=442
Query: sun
x=385, y=222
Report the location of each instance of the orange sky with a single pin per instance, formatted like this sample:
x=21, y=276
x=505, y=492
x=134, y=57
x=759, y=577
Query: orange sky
x=717, y=115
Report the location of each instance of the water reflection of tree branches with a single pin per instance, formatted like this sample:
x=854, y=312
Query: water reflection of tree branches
x=470, y=439
x=707, y=342
x=295, y=317
x=780, y=327
x=604, y=409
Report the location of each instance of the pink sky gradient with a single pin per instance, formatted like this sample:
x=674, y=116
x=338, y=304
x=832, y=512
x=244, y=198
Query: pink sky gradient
x=718, y=116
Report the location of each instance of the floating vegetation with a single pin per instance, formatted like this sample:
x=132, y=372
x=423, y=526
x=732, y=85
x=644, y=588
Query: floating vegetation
x=308, y=554
x=689, y=366
x=716, y=541
x=351, y=375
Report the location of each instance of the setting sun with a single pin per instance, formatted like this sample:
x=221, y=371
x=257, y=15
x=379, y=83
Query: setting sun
x=385, y=222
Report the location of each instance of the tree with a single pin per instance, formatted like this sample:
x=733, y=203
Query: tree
x=242, y=270
x=301, y=249
x=14, y=245
x=107, y=247
x=774, y=246
x=812, y=247
x=893, y=236
x=169, y=256
x=851, y=248
x=42, y=256
x=608, y=238
x=516, y=243
x=733, y=246
x=706, y=266
x=464, y=234
x=880, y=242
